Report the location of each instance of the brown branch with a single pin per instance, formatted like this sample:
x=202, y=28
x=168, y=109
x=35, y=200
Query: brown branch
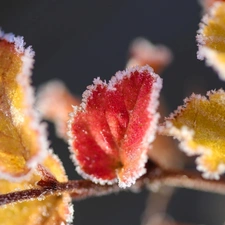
x=79, y=189
x=184, y=179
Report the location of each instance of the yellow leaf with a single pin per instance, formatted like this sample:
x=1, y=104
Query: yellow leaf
x=211, y=36
x=53, y=210
x=199, y=125
x=22, y=145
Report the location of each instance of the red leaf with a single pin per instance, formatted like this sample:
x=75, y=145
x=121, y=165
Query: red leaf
x=112, y=129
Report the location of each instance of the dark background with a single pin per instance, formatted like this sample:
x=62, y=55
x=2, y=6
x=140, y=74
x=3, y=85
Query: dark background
x=77, y=41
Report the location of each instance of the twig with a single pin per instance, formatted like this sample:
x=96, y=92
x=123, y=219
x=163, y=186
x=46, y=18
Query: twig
x=184, y=179
x=79, y=189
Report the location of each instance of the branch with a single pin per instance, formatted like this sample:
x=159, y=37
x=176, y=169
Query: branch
x=184, y=179
x=79, y=189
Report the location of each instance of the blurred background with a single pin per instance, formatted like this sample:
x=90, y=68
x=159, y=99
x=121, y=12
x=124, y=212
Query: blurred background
x=76, y=41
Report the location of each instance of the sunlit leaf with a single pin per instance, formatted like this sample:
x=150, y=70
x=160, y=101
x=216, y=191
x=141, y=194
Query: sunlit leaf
x=22, y=144
x=143, y=52
x=211, y=36
x=55, y=103
x=52, y=210
x=112, y=129
x=199, y=125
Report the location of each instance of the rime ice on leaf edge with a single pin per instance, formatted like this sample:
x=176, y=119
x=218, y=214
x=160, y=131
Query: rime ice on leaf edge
x=54, y=209
x=207, y=53
x=186, y=137
x=23, y=78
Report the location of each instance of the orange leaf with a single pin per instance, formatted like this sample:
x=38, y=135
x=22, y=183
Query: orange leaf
x=22, y=145
x=199, y=126
x=52, y=210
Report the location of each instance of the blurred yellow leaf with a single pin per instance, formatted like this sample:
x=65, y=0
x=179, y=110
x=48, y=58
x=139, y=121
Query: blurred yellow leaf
x=52, y=210
x=199, y=125
x=211, y=36
x=21, y=143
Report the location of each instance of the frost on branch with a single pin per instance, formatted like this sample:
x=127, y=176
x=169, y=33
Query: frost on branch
x=22, y=138
x=55, y=209
x=55, y=103
x=211, y=37
x=112, y=129
x=199, y=126
x=143, y=52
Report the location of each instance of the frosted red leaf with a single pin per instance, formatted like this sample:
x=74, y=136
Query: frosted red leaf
x=110, y=133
